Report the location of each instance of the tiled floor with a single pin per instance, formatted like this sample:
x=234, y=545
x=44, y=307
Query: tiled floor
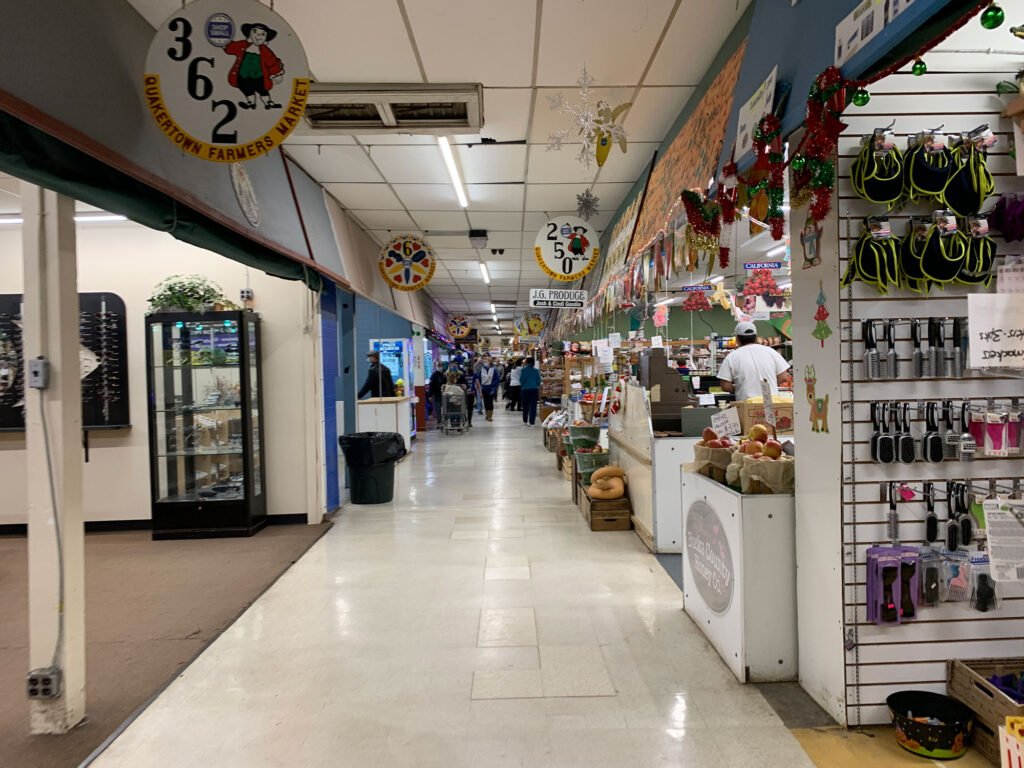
x=475, y=621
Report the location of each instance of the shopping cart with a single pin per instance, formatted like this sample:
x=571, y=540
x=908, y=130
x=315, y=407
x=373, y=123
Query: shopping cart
x=453, y=410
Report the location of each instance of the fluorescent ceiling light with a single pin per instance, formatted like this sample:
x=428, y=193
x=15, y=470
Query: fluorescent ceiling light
x=453, y=171
x=493, y=310
x=717, y=279
x=494, y=317
x=484, y=273
x=777, y=250
x=80, y=219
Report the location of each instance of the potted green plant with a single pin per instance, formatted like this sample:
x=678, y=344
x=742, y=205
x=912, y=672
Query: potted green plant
x=188, y=293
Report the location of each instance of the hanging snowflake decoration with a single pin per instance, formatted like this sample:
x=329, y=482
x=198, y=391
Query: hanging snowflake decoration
x=586, y=205
x=594, y=122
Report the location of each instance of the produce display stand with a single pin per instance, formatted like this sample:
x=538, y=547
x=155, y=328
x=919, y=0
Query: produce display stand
x=739, y=577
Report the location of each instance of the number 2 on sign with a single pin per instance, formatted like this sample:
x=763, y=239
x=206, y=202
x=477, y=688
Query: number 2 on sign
x=198, y=85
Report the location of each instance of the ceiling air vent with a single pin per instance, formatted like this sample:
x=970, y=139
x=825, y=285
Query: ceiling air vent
x=430, y=109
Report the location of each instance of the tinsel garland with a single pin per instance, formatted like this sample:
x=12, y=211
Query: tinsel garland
x=704, y=225
x=728, y=195
x=768, y=141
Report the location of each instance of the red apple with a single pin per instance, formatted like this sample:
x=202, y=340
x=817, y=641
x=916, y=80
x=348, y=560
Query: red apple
x=757, y=456
x=758, y=432
x=715, y=444
x=726, y=442
x=755, y=446
x=709, y=434
x=773, y=448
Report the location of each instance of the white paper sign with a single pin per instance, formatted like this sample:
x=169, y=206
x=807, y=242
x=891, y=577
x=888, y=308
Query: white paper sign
x=708, y=399
x=557, y=297
x=614, y=340
x=769, y=405
x=996, y=330
x=1004, y=523
x=726, y=422
x=863, y=24
x=656, y=341
x=225, y=80
x=752, y=112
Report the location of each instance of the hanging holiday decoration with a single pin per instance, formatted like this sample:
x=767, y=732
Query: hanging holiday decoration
x=768, y=140
x=661, y=316
x=458, y=326
x=727, y=197
x=992, y=17
x=810, y=239
x=407, y=263
x=703, y=227
x=586, y=204
x=919, y=67
x=821, y=330
x=819, y=405
x=590, y=122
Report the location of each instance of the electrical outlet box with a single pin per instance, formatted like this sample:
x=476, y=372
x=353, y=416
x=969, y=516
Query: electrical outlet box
x=245, y=294
x=44, y=683
x=38, y=373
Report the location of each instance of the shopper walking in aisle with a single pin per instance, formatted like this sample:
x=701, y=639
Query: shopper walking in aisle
x=478, y=366
x=435, y=391
x=378, y=379
x=513, y=396
x=488, y=380
x=529, y=383
x=744, y=368
x=467, y=380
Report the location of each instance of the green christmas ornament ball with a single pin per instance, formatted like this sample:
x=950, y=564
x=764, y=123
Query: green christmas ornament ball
x=919, y=68
x=992, y=17
x=861, y=97
x=799, y=163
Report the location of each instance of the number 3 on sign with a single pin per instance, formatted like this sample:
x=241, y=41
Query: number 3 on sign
x=566, y=249
x=215, y=80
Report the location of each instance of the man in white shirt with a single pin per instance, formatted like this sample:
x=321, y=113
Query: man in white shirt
x=744, y=368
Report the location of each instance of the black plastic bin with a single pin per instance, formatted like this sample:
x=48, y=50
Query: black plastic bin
x=371, y=458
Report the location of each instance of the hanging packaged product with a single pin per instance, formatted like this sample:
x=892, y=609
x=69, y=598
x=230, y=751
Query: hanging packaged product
x=971, y=183
x=996, y=433
x=984, y=596
x=877, y=173
x=875, y=258
x=932, y=586
x=892, y=584
x=928, y=165
x=944, y=249
x=956, y=574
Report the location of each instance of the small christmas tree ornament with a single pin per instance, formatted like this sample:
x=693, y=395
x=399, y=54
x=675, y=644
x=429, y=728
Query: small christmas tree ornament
x=861, y=97
x=919, y=67
x=992, y=17
x=821, y=330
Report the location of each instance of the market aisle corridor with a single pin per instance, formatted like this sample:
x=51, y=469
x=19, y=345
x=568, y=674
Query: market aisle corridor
x=476, y=621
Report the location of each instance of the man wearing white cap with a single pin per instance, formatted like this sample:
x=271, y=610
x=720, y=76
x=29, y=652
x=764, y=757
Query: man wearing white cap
x=744, y=368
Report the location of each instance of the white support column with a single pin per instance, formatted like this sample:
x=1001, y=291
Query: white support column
x=51, y=331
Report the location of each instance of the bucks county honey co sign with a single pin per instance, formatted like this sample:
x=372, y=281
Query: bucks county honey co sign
x=226, y=80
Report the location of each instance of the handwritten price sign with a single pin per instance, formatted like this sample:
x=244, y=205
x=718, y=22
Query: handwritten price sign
x=996, y=325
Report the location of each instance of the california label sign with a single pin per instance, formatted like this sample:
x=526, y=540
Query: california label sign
x=226, y=80
x=557, y=297
x=566, y=248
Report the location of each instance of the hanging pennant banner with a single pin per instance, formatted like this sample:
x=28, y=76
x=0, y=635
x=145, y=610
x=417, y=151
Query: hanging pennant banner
x=458, y=326
x=407, y=263
x=566, y=248
x=226, y=80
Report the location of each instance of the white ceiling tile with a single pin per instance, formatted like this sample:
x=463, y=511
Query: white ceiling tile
x=551, y=197
x=652, y=114
x=625, y=33
x=428, y=197
x=558, y=167
x=499, y=239
x=335, y=163
x=495, y=197
x=393, y=220
x=491, y=163
x=494, y=222
x=443, y=220
x=689, y=48
x=488, y=41
x=366, y=196
x=506, y=112
x=360, y=41
x=305, y=135
x=547, y=120
x=629, y=166
x=611, y=195
x=444, y=242
x=392, y=139
x=411, y=164
x=383, y=235
x=455, y=255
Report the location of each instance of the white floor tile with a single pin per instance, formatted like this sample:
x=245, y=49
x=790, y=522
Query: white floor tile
x=457, y=535
x=507, y=684
x=505, y=574
x=507, y=561
x=507, y=627
x=507, y=533
x=574, y=670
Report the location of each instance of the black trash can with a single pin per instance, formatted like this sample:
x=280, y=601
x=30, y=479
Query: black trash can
x=371, y=458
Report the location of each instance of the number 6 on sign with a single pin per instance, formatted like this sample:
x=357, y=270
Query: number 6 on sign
x=566, y=248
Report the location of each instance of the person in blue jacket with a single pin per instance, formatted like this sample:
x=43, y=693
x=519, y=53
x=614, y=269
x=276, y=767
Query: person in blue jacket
x=488, y=378
x=529, y=391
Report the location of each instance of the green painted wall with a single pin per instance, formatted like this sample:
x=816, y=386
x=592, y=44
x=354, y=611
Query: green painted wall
x=718, y=320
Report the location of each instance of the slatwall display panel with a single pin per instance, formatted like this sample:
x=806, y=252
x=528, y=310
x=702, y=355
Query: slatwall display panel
x=959, y=94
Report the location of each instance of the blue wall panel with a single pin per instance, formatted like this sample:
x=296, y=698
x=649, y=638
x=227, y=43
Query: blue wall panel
x=329, y=355
x=371, y=322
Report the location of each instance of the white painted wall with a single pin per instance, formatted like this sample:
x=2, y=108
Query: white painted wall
x=129, y=260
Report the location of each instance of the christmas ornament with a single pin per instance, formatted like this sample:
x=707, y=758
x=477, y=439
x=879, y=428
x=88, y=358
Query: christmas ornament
x=608, y=116
x=593, y=122
x=861, y=97
x=729, y=193
x=704, y=225
x=799, y=163
x=821, y=330
x=586, y=205
x=992, y=17
x=768, y=151
x=919, y=67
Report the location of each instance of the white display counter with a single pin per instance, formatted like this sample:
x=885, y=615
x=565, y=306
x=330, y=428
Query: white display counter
x=739, y=577
x=387, y=414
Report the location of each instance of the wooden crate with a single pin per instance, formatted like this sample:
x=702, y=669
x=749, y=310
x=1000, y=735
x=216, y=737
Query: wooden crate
x=614, y=515
x=966, y=682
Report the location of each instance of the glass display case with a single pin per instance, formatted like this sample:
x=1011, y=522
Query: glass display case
x=205, y=424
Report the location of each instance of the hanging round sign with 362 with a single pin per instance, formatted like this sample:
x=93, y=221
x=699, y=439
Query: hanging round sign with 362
x=226, y=80
x=566, y=248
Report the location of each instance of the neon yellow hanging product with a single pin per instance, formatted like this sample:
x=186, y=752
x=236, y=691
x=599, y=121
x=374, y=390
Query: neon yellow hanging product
x=926, y=173
x=875, y=262
x=942, y=257
x=878, y=178
x=971, y=182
